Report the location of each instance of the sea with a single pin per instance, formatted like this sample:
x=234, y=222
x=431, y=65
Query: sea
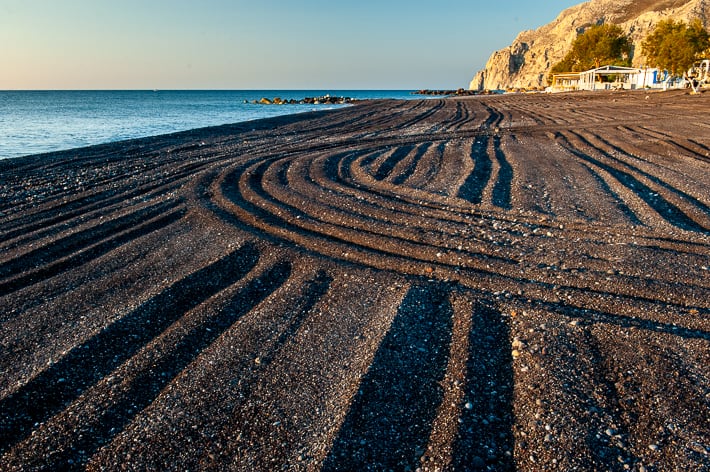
x=34, y=122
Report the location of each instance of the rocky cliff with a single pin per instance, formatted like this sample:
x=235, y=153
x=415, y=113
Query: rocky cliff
x=527, y=62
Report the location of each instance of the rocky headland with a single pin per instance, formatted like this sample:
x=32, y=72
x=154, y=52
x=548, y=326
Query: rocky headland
x=527, y=62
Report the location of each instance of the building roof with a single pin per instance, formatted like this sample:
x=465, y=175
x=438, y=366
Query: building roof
x=612, y=69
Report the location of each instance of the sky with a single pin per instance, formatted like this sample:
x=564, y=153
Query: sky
x=256, y=44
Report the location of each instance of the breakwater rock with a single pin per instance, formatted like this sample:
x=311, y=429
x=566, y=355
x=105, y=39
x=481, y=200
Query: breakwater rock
x=324, y=100
x=460, y=92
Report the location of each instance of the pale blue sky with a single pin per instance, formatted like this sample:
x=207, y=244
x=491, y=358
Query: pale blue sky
x=257, y=44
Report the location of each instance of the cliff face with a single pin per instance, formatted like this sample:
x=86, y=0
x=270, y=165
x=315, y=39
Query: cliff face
x=527, y=62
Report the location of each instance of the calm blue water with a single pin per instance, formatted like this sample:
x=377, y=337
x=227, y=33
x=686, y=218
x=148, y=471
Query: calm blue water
x=33, y=122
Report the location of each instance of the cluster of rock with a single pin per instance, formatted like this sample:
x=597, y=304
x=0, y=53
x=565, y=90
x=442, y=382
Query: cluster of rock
x=324, y=100
x=459, y=92
x=527, y=62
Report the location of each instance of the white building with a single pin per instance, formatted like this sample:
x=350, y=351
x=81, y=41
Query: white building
x=609, y=78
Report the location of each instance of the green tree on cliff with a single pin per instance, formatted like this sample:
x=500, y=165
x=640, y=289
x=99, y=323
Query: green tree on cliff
x=600, y=45
x=675, y=46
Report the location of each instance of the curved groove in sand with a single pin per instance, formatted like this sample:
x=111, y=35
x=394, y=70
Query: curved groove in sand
x=446, y=283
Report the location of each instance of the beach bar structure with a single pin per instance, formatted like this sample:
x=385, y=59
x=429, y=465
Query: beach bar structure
x=566, y=82
x=608, y=78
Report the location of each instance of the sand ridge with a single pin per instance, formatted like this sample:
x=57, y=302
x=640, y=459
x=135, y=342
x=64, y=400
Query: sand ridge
x=480, y=283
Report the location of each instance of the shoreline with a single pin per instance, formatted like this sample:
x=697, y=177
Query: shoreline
x=48, y=121
x=176, y=134
x=190, y=130
x=431, y=95
x=503, y=282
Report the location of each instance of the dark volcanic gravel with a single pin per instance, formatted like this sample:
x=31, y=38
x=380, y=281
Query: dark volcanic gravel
x=483, y=283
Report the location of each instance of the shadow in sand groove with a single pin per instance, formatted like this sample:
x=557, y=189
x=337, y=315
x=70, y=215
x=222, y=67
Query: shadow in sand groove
x=388, y=165
x=151, y=380
x=83, y=255
x=391, y=418
x=80, y=240
x=472, y=189
x=664, y=208
x=409, y=170
x=56, y=387
x=485, y=435
x=502, y=188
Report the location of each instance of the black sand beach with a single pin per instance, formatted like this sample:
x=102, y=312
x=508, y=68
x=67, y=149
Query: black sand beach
x=479, y=283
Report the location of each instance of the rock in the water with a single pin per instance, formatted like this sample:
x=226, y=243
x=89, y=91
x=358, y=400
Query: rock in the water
x=327, y=100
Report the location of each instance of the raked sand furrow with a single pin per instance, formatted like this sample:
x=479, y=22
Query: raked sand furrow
x=78, y=240
x=62, y=382
x=483, y=283
x=89, y=253
x=112, y=404
x=664, y=203
x=676, y=184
